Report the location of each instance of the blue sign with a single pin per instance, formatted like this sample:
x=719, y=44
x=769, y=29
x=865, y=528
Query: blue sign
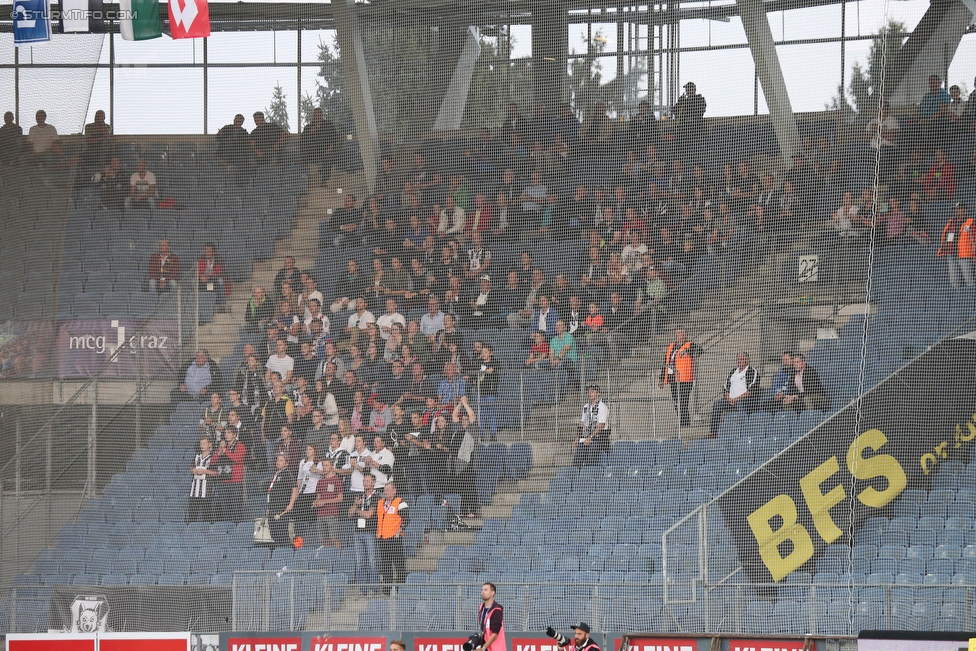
x=32, y=21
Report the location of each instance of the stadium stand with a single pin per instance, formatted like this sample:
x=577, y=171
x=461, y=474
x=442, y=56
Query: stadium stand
x=590, y=543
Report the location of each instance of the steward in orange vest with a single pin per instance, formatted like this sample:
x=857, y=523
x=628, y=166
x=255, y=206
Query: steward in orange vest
x=392, y=518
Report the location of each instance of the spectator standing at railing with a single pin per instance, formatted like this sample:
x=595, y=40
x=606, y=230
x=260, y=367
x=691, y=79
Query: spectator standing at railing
x=957, y=247
x=281, y=494
x=233, y=143
x=392, y=518
x=594, y=430
x=98, y=140
x=318, y=144
x=201, y=492
x=43, y=142
x=363, y=513
x=933, y=111
x=487, y=375
x=463, y=457
x=11, y=139
x=678, y=373
x=688, y=114
x=214, y=418
x=328, y=498
x=229, y=461
x=266, y=139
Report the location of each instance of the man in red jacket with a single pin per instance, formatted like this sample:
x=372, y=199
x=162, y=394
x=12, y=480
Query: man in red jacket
x=210, y=274
x=229, y=462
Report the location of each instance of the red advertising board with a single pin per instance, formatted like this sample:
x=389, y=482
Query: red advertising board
x=50, y=642
x=659, y=644
x=765, y=645
x=534, y=644
x=438, y=643
x=326, y=643
x=264, y=644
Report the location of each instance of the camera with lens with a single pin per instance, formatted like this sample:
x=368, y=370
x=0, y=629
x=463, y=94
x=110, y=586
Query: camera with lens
x=473, y=642
x=560, y=639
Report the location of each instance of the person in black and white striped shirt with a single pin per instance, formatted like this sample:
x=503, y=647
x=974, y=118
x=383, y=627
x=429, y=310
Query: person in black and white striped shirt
x=201, y=493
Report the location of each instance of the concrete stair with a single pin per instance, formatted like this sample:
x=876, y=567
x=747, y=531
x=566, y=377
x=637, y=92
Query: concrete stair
x=223, y=333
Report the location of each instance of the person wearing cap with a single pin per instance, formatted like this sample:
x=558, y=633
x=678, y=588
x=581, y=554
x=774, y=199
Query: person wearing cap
x=956, y=246
x=594, y=436
x=688, y=114
x=581, y=638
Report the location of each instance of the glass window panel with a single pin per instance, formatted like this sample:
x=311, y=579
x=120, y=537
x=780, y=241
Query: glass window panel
x=158, y=100
x=246, y=90
x=728, y=87
x=253, y=47
x=810, y=92
x=158, y=50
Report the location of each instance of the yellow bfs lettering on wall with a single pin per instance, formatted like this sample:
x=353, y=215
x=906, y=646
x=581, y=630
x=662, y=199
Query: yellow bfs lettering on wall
x=819, y=502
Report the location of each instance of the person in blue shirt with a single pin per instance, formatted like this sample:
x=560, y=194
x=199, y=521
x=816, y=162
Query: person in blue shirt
x=452, y=387
x=781, y=384
x=933, y=110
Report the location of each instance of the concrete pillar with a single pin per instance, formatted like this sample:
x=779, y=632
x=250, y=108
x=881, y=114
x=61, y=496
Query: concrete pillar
x=763, y=48
x=456, y=93
x=550, y=47
x=353, y=60
x=928, y=51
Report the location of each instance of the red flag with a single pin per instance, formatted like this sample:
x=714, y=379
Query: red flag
x=189, y=18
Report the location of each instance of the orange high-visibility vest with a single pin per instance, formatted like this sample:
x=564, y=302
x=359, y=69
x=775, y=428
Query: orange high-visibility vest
x=684, y=364
x=388, y=520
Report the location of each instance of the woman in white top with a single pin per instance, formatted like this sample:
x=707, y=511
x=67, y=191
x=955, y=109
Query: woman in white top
x=309, y=472
x=846, y=218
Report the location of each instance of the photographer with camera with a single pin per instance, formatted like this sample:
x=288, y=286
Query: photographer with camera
x=581, y=638
x=594, y=430
x=491, y=627
x=229, y=462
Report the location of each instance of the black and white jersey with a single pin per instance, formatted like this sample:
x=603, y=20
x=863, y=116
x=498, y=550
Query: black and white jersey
x=593, y=415
x=199, y=486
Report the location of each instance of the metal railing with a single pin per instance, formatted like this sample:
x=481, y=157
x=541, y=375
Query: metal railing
x=317, y=600
x=104, y=406
x=683, y=583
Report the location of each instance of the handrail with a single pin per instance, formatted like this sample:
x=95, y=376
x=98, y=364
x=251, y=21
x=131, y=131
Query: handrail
x=697, y=512
x=88, y=382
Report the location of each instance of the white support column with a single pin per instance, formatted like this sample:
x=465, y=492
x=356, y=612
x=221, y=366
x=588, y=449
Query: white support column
x=353, y=62
x=756, y=25
x=456, y=95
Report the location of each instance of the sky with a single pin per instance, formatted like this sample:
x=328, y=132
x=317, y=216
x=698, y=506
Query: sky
x=170, y=101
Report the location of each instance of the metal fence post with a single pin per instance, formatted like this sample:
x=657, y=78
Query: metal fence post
x=91, y=480
x=326, y=624
x=521, y=405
